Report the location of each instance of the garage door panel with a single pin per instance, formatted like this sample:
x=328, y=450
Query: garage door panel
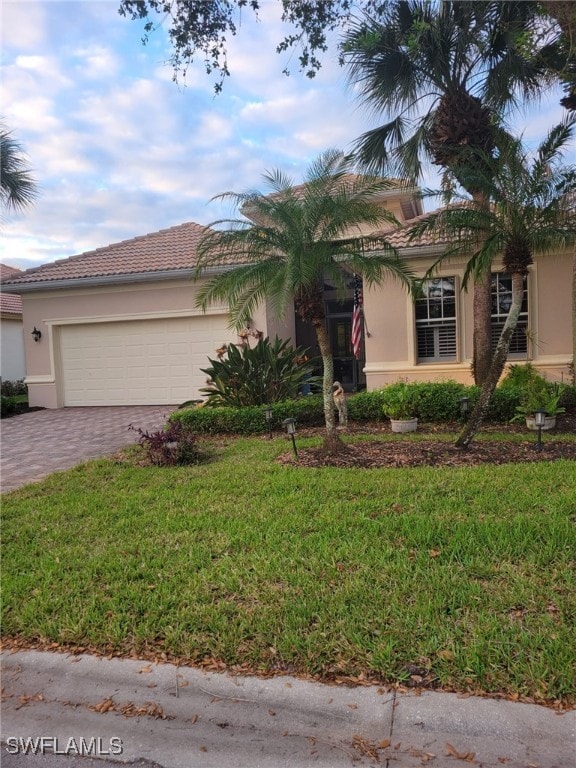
x=150, y=362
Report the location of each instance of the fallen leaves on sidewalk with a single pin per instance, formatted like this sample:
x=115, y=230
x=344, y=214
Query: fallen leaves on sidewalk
x=453, y=752
x=148, y=709
x=26, y=699
x=365, y=747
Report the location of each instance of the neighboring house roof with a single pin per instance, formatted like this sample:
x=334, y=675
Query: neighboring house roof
x=10, y=303
x=164, y=251
x=7, y=272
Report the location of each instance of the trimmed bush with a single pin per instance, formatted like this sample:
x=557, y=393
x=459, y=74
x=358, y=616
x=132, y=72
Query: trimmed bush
x=440, y=401
x=366, y=406
x=251, y=420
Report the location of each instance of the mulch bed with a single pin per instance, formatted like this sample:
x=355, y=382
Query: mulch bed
x=430, y=452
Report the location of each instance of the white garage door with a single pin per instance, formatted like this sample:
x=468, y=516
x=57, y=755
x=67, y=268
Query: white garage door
x=142, y=362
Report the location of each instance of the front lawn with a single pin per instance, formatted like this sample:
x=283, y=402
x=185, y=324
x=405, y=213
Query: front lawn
x=460, y=577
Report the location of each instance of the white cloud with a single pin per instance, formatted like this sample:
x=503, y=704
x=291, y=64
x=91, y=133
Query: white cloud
x=24, y=23
x=95, y=62
x=120, y=150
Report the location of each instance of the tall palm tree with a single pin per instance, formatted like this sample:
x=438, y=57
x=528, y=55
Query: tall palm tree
x=443, y=71
x=297, y=237
x=17, y=185
x=563, y=63
x=532, y=210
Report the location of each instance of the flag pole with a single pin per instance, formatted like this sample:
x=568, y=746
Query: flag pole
x=366, y=331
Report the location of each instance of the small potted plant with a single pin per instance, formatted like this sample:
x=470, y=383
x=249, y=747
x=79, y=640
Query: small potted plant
x=400, y=405
x=541, y=395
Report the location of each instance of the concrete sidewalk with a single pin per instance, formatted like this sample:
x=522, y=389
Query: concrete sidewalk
x=182, y=717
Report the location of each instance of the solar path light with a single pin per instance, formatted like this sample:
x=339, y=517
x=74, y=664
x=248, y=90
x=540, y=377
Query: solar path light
x=290, y=425
x=268, y=413
x=539, y=421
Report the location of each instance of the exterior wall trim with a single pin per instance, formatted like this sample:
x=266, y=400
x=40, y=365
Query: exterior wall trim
x=166, y=315
x=105, y=280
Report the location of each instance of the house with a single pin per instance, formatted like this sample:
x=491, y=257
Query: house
x=119, y=325
x=12, y=362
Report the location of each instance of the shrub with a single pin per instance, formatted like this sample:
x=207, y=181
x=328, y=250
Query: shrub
x=568, y=399
x=12, y=388
x=269, y=372
x=173, y=445
x=503, y=404
x=366, y=406
x=519, y=376
x=400, y=401
x=250, y=420
x=8, y=406
x=440, y=401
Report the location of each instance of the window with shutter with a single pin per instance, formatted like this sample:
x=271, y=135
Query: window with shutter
x=435, y=308
x=501, y=301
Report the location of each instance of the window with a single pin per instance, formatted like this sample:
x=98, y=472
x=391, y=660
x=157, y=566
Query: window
x=435, y=310
x=501, y=302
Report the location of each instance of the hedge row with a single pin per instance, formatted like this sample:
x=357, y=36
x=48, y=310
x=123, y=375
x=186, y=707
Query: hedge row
x=439, y=402
x=251, y=419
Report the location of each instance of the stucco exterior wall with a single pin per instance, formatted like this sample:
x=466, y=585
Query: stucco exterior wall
x=50, y=310
x=391, y=353
x=12, y=361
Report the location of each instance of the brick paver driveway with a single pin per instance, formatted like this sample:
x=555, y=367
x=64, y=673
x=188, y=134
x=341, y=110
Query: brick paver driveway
x=38, y=443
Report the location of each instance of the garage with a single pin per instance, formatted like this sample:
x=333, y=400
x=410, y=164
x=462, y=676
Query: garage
x=140, y=362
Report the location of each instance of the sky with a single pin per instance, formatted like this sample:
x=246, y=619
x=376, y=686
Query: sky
x=119, y=150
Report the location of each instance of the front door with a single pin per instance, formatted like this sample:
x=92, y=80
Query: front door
x=345, y=365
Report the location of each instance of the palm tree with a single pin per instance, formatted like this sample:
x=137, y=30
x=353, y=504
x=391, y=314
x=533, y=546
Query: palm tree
x=563, y=63
x=443, y=71
x=532, y=209
x=297, y=237
x=18, y=186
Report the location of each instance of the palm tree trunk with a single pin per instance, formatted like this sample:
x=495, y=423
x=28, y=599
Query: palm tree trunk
x=332, y=441
x=574, y=316
x=498, y=362
x=482, y=354
x=482, y=339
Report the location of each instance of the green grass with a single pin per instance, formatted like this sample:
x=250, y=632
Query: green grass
x=468, y=572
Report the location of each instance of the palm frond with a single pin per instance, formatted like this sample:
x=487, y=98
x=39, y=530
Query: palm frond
x=18, y=187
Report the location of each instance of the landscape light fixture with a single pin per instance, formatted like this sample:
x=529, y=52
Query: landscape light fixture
x=290, y=425
x=539, y=421
x=36, y=334
x=269, y=413
x=464, y=406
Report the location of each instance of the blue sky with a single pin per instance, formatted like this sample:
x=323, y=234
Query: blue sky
x=119, y=150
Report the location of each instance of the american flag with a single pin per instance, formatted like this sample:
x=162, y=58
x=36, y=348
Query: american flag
x=357, y=318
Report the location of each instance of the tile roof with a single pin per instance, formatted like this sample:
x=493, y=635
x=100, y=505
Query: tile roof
x=166, y=250
x=10, y=304
x=7, y=272
x=399, y=237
